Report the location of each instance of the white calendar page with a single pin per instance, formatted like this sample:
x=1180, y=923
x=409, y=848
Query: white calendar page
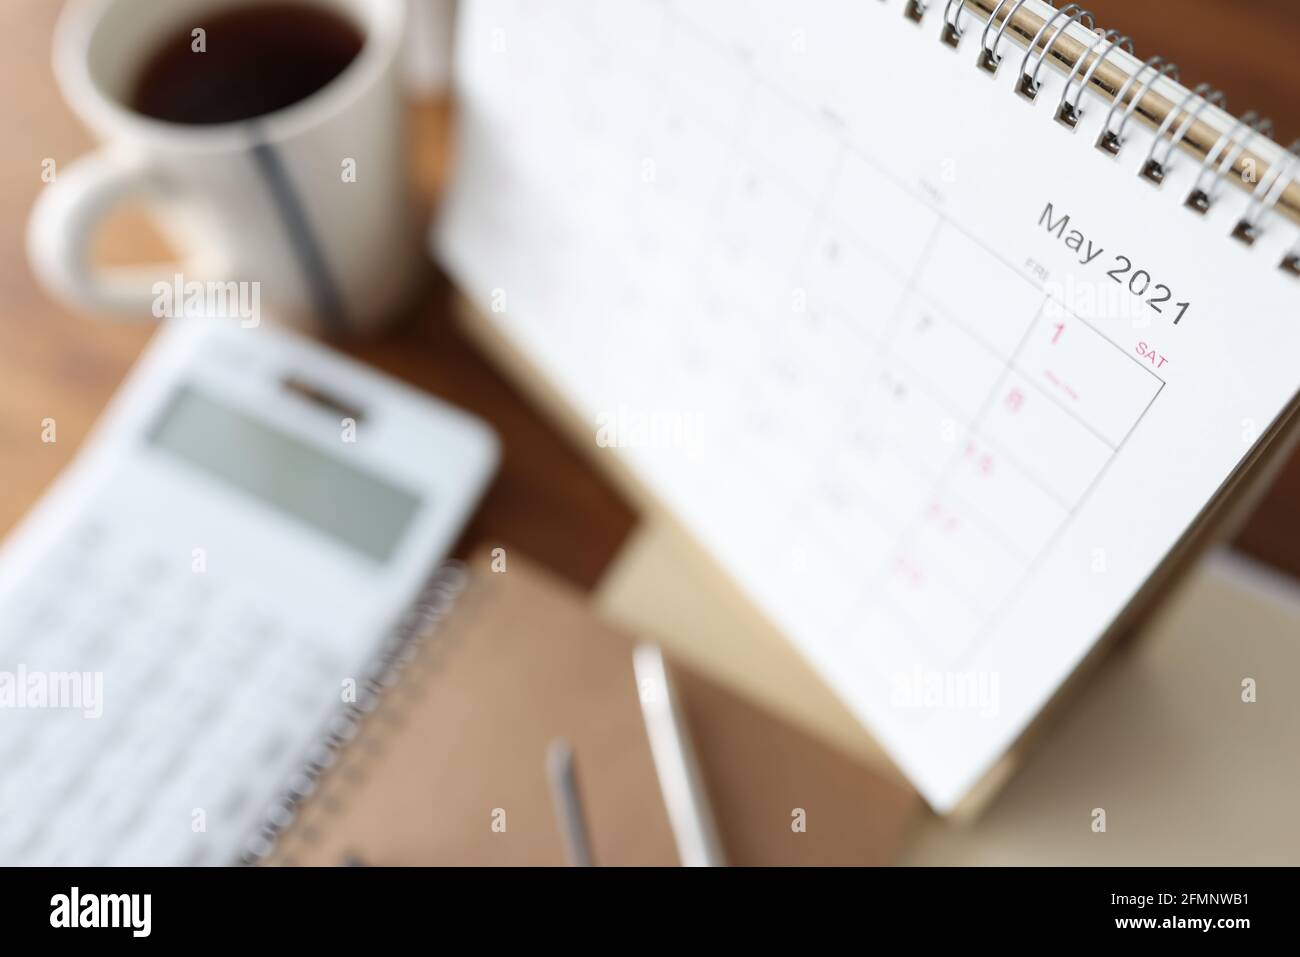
x=806, y=269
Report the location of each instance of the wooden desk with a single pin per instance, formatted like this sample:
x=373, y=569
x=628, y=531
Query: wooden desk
x=547, y=500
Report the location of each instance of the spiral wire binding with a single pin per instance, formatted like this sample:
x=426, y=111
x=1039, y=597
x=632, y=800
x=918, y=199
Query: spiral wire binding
x=420, y=622
x=1202, y=196
x=990, y=59
x=952, y=28
x=1267, y=193
x=1028, y=85
x=1112, y=141
x=1069, y=114
x=1154, y=170
x=1291, y=261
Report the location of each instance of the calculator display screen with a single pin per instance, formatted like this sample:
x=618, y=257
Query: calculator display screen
x=356, y=507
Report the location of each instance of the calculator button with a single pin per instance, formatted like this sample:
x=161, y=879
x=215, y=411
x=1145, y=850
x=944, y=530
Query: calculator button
x=206, y=690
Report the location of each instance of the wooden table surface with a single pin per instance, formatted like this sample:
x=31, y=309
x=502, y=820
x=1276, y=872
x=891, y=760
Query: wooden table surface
x=547, y=501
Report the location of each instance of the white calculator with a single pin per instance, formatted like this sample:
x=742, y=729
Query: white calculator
x=191, y=604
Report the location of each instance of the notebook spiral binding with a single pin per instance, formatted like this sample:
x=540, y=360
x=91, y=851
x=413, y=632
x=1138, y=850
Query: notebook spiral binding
x=1220, y=159
x=420, y=623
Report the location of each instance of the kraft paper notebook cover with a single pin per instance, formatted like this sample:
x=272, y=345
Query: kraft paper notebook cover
x=459, y=739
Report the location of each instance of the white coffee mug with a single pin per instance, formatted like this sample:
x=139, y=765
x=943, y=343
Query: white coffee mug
x=309, y=206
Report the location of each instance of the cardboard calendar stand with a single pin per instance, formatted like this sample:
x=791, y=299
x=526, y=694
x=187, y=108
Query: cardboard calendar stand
x=665, y=586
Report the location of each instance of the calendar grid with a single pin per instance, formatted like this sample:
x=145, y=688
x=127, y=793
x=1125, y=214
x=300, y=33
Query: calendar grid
x=743, y=182
x=1010, y=600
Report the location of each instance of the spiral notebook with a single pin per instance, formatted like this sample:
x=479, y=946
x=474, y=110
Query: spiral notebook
x=445, y=762
x=947, y=329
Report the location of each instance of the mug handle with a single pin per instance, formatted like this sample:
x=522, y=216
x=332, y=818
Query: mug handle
x=63, y=224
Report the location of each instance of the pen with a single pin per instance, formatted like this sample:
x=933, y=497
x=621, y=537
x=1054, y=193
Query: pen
x=689, y=813
x=561, y=773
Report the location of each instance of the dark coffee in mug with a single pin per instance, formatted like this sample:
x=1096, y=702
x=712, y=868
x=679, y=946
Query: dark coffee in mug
x=246, y=63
